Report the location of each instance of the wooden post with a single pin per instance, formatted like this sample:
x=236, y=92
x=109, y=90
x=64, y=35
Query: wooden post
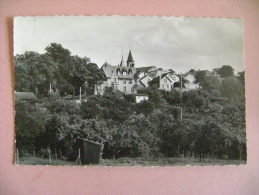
x=78, y=160
x=56, y=156
x=60, y=154
x=49, y=156
x=17, y=156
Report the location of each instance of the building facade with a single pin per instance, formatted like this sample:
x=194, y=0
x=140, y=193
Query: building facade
x=121, y=77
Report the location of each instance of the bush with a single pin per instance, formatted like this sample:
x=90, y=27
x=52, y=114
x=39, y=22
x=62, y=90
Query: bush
x=43, y=153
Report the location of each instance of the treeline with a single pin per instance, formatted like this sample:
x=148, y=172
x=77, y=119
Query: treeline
x=57, y=70
x=212, y=123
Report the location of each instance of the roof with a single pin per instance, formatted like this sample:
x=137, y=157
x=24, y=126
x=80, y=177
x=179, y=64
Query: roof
x=164, y=75
x=18, y=96
x=130, y=58
x=107, y=69
x=145, y=69
x=90, y=142
x=122, y=62
x=142, y=83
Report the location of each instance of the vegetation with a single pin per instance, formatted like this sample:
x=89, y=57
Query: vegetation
x=212, y=123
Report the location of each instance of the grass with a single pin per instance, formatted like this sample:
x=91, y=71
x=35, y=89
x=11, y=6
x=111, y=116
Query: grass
x=168, y=162
x=31, y=160
x=136, y=162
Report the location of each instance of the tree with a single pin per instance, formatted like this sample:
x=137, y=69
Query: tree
x=226, y=71
x=29, y=124
x=95, y=75
x=72, y=71
x=172, y=97
x=200, y=76
x=194, y=99
x=241, y=77
x=115, y=107
x=58, y=53
x=232, y=88
x=34, y=72
x=77, y=72
x=211, y=83
x=92, y=108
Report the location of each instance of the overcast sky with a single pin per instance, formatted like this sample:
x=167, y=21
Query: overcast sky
x=177, y=43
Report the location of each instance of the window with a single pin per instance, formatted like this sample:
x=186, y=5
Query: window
x=130, y=81
x=132, y=89
x=124, y=88
x=115, y=80
x=165, y=80
x=167, y=86
x=163, y=86
x=124, y=81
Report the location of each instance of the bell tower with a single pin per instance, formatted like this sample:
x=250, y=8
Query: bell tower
x=130, y=61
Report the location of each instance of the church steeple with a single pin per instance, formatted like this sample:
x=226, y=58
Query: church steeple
x=122, y=62
x=130, y=61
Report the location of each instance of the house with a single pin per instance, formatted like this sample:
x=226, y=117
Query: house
x=148, y=70
x=174, y=78
x=141, y=97
x=190, y=82
x=121, y=77
x=144, y=82
x=163, y=82
x=24, y=96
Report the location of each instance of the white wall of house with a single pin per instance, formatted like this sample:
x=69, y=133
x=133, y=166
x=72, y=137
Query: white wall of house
x=100, y=88
x=126, y=86
x=165, y=84
x=140, y=98
x=190, y=78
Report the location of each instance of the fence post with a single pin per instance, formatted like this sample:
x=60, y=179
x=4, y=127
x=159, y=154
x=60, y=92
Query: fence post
x=49, y=156
x=78, y=158
x=56, y=156
x=60, y=154
x=17, y=156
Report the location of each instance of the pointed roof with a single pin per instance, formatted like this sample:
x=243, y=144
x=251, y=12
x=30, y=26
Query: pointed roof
x=122, y=62
x=130, y=58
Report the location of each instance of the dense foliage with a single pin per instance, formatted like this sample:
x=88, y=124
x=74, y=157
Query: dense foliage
x=209, y=122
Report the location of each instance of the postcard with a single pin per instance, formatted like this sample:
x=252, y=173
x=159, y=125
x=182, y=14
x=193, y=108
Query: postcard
x=129, y=91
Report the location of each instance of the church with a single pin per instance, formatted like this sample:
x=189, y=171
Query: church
x=121, y=78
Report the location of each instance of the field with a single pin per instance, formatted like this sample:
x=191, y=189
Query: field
x=136, y=162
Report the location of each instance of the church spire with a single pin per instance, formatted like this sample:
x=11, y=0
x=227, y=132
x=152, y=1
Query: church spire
x=130, y=61
x=122, y=62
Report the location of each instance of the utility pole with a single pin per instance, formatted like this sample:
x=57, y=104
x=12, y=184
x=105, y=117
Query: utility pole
x=181, y=93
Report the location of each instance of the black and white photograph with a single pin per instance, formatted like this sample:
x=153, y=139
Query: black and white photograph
x=129, y=91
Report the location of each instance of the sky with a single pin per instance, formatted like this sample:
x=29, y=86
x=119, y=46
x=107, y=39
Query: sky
x=178, y=43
